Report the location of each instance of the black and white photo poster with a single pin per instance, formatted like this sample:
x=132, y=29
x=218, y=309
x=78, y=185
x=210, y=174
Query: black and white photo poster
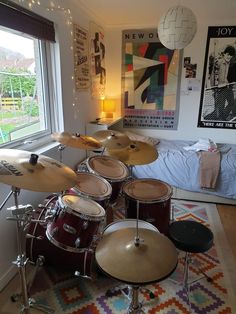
x=218, y=95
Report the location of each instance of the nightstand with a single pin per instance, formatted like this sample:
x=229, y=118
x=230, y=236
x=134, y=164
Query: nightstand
x=102, y=124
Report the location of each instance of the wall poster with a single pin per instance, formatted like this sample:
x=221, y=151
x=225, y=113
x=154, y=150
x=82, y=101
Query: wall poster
x=218, y=96
x=150, y=81
x=81, y=62
x=97, y=60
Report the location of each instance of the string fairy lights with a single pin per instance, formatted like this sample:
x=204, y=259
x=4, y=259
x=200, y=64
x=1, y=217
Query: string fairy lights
x=53, y=6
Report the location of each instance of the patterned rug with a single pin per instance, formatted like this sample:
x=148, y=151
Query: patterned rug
x=69, y=294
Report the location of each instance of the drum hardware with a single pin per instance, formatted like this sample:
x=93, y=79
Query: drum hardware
x=22, y=218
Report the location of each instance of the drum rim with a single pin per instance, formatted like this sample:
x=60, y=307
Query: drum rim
x=111, y=179
x=151, y=201
x=64, y=246
x=80, y=214
x=96, y=197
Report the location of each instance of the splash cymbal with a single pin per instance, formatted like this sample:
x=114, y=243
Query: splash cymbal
x=152, y=260
x=112, y=139
x=77, y=141
x=137, y=153
x=26, y=170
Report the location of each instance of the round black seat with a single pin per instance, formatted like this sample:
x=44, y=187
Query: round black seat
x=190, y=236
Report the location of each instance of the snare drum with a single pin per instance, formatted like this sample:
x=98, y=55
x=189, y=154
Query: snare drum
x=154, y=202
x=77, y=224
x=93, y=187
x=39, y=245
x=128, y=223
x=113, y=170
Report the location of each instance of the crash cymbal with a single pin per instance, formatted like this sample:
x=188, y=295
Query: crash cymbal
x=152, y=260
x=137, y=153
x=111, y=139
x=33, y=172
x=77, y=141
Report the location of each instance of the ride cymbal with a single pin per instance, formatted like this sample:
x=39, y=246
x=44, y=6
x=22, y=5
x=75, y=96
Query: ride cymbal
x=26, y=170
x=152, y=260
x=137, y=153
x=112, y=139
x=77, y=141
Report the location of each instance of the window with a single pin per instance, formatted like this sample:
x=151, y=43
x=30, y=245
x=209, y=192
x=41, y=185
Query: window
x=26, y=104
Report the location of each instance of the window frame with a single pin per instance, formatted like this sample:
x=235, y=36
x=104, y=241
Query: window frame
x=47, y=58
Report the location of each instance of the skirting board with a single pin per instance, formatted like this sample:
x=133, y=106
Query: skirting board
x=201, y=197
x=7, y=276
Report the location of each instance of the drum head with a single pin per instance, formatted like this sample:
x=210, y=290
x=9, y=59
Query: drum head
x=147, y=190
x=83, y=207
x=108, y=167
x=128, y=223
x=92, y=186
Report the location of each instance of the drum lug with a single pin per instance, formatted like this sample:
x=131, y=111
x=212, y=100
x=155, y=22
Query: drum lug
x=77, y=242
x=69, y=229
x=85, y=225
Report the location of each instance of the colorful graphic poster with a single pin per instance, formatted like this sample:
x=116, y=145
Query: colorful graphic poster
x=150, y=81
x=97, y=61
x=81, y=62
x=218, y=96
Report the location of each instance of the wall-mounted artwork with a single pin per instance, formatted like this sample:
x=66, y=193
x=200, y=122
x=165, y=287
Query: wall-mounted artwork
x=81, y=60
x=218, y=96
x=150, y=81
x=97, y=60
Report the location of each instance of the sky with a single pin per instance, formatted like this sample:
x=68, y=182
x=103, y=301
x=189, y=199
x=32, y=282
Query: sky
x=17, y=43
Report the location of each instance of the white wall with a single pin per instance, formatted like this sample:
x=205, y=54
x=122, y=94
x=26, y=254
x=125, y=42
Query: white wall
x=189, y=102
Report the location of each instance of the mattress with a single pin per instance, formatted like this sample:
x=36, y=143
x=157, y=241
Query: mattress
x=180, y=168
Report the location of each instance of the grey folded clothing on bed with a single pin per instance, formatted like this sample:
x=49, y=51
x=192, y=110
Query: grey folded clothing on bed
x=209, y=169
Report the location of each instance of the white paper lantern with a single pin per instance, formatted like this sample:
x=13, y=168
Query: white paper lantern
x=177, y=27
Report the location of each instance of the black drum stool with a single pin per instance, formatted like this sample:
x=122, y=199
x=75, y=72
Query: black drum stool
x=190, y=237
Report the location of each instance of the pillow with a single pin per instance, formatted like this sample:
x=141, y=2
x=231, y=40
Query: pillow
x=143, y=138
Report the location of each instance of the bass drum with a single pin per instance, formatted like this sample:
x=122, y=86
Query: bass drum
x=37, y=244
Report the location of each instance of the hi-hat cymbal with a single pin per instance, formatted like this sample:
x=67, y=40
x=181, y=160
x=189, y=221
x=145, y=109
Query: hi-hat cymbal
x=137, y=153
x=112, y=139
x=152, y=260
x=77, y=141
x=26, y=170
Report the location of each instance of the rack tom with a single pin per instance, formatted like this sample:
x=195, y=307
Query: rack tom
x=93, y=187
x=154, y=198
x=113, y=170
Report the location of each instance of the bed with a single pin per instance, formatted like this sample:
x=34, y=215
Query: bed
x=180, y=168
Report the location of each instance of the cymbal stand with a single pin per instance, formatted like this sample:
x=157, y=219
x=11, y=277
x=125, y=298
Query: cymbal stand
x=135, y=306
x=60, y=149
x=22, y=215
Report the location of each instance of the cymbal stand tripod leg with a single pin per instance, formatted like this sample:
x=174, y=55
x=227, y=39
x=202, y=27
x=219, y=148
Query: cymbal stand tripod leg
x=21, y=261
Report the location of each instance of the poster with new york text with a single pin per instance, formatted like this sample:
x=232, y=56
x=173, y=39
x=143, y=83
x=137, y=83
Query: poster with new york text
x=150, y=81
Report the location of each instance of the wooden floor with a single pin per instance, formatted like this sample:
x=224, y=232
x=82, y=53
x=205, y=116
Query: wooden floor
x=228, y=218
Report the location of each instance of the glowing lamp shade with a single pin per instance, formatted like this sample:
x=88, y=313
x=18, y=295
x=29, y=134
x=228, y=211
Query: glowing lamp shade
x=109, y=107
x=177, y=27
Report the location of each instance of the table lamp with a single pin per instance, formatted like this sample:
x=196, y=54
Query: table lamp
x=109, y=107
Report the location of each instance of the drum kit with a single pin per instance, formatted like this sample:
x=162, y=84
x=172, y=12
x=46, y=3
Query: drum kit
x=71, y=226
